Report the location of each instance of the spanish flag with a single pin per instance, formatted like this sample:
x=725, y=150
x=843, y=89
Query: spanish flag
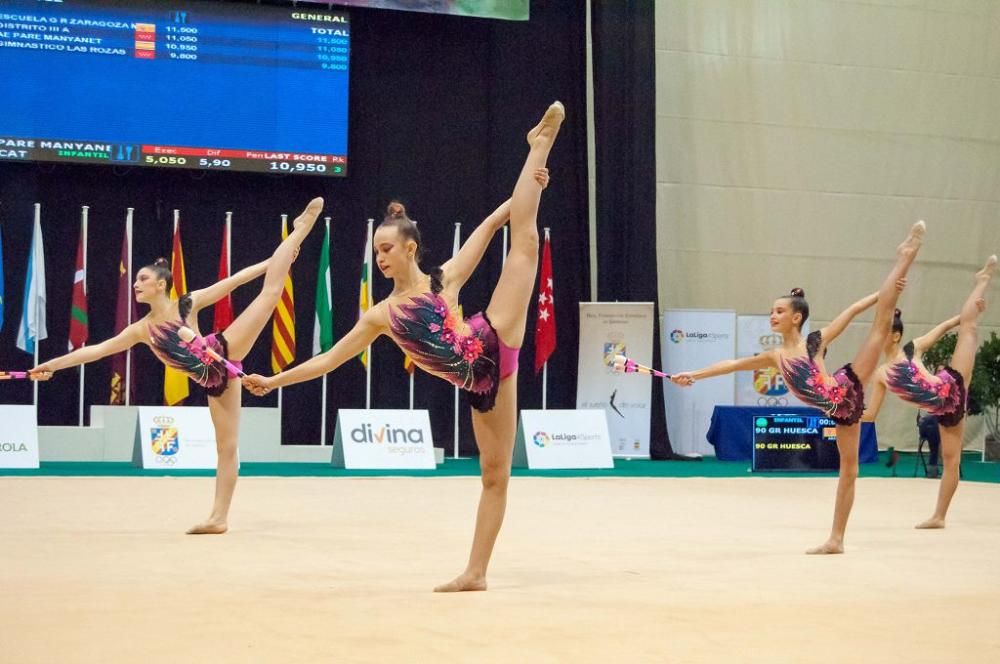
x=283, y=326
x=175, y=383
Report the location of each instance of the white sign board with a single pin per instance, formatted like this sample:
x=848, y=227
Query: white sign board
x=18, y=437
x=373, y=439
x=176, y=438
x=608, y=329
x=694, y=339
x=762, y=387
x=563, y=439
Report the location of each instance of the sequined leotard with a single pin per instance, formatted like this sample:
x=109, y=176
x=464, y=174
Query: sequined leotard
x=427, y=331
x=944, y=397
x=843, y=401
x=174, y=353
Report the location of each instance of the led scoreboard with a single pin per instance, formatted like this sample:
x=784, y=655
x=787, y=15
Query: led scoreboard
x=794, y=442
x=201, y=85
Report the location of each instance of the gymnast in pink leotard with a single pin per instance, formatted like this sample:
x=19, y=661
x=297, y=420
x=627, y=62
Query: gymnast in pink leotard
x=478, y=354
x=942, y=394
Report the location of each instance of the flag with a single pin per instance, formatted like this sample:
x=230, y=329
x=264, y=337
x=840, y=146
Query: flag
x=33, y=327
x=78, y=324
x=365, y=297
x=125, y=312
x=224, y=307
x=1, y=281
x=545, y=325
x=175, y=383
x=323, y=327
x=283, y=325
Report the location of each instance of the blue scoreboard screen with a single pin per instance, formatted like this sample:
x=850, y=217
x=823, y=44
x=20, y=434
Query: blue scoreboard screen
x=201, y=85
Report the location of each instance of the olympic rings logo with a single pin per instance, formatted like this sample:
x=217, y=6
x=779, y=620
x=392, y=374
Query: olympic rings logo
x=772, y=401
x=165, y=460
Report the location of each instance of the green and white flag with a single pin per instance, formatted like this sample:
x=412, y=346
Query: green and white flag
x=323, y=328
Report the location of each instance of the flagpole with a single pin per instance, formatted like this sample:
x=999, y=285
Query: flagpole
x=128, y=309
x=454, y=250
x=322, y=408
x=229, y=244
x=85, y=213
x=37, y=341
x=368, y=289
x=413, y=369
x=545, y=364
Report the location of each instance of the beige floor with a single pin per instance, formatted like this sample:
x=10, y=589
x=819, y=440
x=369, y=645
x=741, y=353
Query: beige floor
x=339, y=570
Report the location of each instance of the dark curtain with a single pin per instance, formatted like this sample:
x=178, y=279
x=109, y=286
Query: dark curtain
x=440, y=106
x=625, y=132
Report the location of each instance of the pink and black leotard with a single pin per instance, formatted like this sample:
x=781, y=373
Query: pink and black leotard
x=174, y=353
x=843, y=399
x=942, y=394
x=475, y=361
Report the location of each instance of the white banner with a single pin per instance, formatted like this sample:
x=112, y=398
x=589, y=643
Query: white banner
x=176, y=438
x=18, y=437
x=608, y=329
x=694, y=339
x=763, y=387
x=563, y=439
x=371, y=439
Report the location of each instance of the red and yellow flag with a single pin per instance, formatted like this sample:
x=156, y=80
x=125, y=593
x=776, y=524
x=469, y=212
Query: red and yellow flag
x=175, y=383
x=283, y=326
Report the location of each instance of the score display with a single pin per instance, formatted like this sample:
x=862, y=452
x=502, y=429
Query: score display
x=201, y=85
x=794, y=442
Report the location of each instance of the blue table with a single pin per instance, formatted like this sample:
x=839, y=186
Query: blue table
x=731, y=431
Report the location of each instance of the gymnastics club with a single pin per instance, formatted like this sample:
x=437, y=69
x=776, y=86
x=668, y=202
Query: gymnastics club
x=624, y=365
x=14, y=375
x=198, y=346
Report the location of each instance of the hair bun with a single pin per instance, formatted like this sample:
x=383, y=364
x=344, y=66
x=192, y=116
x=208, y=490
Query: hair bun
x=798, y=292
x=395, y=210
x=162, y=262
x=897, y=313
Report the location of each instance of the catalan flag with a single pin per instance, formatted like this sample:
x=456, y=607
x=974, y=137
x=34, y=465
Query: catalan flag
x=175, y=383
x=283, y=326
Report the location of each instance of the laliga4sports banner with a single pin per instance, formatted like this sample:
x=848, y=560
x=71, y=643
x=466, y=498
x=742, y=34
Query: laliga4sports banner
x=608, y=329
x=762, y=387
x=18, y=437
x=694, y=339
x=175, y=438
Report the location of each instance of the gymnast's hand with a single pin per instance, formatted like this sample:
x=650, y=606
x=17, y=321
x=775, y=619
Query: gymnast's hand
x=257, y=385
x=542, y=176
x=684, y=379
x=981, y=304
x=900, y=284
x=41, y=372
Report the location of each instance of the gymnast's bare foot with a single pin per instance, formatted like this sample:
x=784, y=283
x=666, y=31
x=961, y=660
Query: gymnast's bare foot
x=309, y=215
x=931, y=523
x=913, y=241
x=549, y=126
x=987, y=272
x=829, y=547
x=462, y=583
x=208, y=528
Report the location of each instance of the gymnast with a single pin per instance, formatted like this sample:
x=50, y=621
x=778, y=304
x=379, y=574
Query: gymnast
x=943, y=394
x=841, y=394
x=479, y=354
x=167, y=324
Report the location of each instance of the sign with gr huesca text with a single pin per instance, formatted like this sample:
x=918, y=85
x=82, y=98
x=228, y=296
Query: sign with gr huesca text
x=794, y=442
